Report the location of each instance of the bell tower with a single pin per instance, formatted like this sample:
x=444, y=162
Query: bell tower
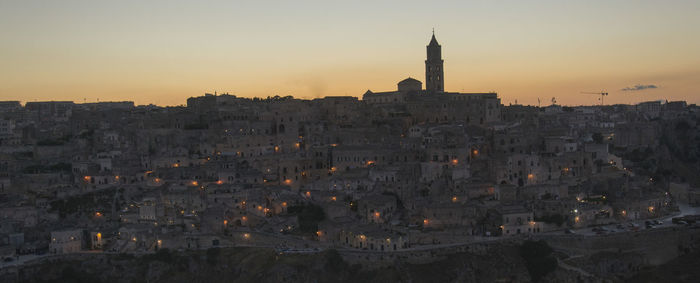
x=434, y=77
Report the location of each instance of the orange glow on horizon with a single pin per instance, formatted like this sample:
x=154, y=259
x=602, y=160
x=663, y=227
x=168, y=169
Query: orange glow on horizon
x=534, y=55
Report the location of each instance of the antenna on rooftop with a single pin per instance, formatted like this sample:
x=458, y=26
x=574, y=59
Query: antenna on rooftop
x=602, y=95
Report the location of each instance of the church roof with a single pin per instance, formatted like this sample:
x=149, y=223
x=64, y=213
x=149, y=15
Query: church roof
x=433, y=41
x=409, y=80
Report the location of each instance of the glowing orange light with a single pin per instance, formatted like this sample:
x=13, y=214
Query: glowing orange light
x=376, y=214
x=454, y=199
x=288, y=181
x=176, y=165
x=86, y=178
x=260, y=207
x=455, y=161
x=319, y=233
x=244, y=218
x=425, y=221
x=219, y=182
x=157, y=180
x=225, y=222
x=530, y=176
x=475, y=152
x=194, y=183
x=333, y=198
x=284, y=203
x=308, y=194
x=98, y=214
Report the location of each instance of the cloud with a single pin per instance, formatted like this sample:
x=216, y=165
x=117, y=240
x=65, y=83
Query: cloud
x=639, y=87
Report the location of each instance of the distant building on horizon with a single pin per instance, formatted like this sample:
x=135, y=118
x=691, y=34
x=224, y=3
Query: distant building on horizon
x=433, y=104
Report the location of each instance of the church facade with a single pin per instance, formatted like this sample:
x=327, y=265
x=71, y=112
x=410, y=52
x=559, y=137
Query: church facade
x=433, y=104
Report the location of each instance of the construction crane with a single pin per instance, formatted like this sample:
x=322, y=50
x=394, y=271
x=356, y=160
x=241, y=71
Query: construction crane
x=602, y=96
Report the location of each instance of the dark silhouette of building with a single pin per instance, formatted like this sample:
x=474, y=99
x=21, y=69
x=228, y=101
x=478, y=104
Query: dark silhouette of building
x=434, y=79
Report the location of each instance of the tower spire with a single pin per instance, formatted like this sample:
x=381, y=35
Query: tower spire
x=434, y=80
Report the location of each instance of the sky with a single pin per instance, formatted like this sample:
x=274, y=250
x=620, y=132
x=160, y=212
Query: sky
x=164, y=51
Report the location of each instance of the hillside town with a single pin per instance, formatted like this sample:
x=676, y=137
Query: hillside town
x=400, y=170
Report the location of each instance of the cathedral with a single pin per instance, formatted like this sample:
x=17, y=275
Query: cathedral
x=433, y=104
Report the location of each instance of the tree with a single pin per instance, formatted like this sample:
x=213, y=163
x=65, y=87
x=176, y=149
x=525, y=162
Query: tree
x=308, y=216
x=213, y=256
x=334, y=262
x=538, y=258
x=597, y=137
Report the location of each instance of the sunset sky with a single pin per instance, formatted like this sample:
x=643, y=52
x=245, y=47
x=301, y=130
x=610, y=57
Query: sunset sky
x=164, y=51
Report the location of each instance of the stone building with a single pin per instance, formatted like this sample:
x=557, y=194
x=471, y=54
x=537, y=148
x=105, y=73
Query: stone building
x=67, y=241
